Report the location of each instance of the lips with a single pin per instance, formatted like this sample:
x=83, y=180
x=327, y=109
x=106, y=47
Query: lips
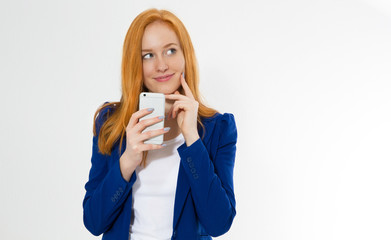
x=164, y=78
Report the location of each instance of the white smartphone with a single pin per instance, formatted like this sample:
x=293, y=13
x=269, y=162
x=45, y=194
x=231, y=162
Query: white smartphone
x=156, y=101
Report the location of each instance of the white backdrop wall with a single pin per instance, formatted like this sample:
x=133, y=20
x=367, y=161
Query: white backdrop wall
x=307, y=81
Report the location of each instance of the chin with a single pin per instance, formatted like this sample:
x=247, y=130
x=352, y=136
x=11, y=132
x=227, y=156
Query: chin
x=168, y=90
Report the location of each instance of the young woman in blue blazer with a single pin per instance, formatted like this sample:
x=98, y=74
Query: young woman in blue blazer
x=182, y=189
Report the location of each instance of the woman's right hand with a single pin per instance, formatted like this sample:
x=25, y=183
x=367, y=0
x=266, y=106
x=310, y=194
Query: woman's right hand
x=135, y=145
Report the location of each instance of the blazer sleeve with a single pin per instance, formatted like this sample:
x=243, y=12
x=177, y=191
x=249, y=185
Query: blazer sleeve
x=211, y=183
x=106, y=189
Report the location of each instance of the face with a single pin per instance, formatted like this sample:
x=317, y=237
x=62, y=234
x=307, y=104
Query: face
x=162, y=57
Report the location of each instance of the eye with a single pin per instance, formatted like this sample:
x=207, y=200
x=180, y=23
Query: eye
x=171, y=51
x=147, y=56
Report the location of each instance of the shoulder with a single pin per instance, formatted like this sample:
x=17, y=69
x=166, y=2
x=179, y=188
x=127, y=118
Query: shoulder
x=106, y=108
x=103, y=113
x=228, y=126
x=220, y=124
x=226, y=119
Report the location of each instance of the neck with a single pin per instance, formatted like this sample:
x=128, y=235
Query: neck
x=174, y=129
x=172, y=123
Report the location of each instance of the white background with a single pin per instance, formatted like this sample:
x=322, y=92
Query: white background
x=307, y=81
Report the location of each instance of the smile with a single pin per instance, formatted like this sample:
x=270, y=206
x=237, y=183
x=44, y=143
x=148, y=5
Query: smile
x=164, y=78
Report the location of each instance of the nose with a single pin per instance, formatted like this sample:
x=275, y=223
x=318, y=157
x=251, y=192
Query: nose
x=161, y=65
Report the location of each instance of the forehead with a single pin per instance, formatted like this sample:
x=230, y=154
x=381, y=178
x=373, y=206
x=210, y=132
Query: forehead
x=157, y=35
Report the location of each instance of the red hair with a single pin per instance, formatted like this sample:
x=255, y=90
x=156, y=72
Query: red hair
x=114, y=128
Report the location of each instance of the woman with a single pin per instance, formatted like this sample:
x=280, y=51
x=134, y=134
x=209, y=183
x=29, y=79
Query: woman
x=182, y=189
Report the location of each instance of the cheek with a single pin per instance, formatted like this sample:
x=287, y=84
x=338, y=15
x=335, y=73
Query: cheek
x=147, y=74
x=182, y=62
x=147, y=69
x=178, y=64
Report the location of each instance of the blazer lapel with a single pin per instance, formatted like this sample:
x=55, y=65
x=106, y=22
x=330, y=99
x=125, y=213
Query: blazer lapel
x=182, y=190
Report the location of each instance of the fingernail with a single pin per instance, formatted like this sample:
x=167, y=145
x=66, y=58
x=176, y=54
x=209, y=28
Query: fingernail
x=163, y=145
x=150, y=109
x=166, y=129
x=161, y=117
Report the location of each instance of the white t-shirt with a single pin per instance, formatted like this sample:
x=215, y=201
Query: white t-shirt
x=153, y=193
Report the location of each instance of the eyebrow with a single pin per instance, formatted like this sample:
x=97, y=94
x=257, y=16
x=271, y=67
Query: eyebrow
x=165, y=46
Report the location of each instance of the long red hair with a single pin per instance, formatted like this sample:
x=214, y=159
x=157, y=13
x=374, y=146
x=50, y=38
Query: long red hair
x=114, y=128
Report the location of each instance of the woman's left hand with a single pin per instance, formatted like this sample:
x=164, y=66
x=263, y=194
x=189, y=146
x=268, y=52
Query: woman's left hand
x=185, y=110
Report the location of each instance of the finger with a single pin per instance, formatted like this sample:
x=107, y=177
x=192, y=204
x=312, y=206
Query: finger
x=177, y=111
x=147, y=147
x=176, y=96
x=141, y=125
x=172, y=109
x=176, y=93
x=177, y=106
x=134, y=119
x=186, y=88
x=152, y=133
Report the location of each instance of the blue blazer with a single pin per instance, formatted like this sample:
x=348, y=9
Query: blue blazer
x=204, y=201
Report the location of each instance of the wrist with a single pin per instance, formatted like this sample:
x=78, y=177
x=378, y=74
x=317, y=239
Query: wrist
x=191, y=138
x=127, y=167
